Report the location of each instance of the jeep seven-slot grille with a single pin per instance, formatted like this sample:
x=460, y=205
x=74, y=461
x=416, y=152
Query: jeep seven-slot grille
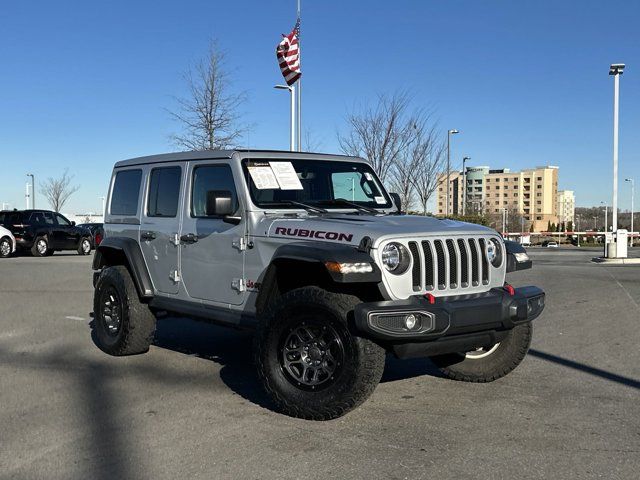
x=452, y=263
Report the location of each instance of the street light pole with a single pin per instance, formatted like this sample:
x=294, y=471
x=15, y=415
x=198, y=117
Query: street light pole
x=292, y=119
x=33, y=190
x=606, y=227
x=449, y=133
x=632, y=196
x=464, y=184
x=616, y=70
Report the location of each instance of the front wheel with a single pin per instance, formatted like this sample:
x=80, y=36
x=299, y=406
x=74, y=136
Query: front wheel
x=40, y=247
x=5, y=247
x=309, y=361
x=489, y=363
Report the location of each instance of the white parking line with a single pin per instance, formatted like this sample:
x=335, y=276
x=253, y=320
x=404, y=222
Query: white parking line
x=70, y=317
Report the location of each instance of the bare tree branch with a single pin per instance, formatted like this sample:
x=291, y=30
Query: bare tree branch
x=208, y=115
x=58, y=190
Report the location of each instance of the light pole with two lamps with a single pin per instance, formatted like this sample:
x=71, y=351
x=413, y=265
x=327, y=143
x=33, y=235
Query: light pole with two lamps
x=292, y=120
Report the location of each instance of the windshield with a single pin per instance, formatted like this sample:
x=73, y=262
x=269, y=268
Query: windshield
x=279, y=183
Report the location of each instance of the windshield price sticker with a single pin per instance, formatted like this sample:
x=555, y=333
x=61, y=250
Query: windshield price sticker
x=263, y=178
x=380, y=200
x=286, y=175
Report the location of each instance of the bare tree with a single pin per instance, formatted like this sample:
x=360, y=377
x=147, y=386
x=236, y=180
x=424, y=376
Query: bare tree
x=383, y=133
x=209, y=114
x=428, y=157
x=58, y=190
x=311, y=142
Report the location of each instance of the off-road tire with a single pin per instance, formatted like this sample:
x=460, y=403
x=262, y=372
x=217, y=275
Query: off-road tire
x=358, y=376
x=81, y=250
x=34, y=248
x=506, y=357
x=5, y=247
x=137, y=323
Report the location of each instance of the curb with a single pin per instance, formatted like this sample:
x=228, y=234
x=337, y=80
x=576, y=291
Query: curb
x=616, y=261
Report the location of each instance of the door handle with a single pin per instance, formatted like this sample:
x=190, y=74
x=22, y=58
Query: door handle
x=148, y=235
x=189, y=238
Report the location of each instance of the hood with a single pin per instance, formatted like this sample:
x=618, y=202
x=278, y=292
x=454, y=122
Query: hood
x=344, y=228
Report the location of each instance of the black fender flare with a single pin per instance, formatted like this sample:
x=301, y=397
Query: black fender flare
x=513, y=265
x=323, y=252
x=125, y=251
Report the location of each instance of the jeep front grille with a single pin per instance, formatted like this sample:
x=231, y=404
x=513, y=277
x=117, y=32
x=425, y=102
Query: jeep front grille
x=449, y=264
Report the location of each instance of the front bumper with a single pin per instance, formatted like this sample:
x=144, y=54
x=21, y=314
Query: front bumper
x=449, y=324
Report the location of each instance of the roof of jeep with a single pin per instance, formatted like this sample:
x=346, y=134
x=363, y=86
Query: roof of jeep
x=220, y=154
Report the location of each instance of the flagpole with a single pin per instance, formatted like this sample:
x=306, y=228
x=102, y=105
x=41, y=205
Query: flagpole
x=299, y=89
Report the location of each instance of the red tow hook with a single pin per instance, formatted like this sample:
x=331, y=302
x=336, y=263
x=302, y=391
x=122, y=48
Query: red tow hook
x=430, y=298
x=510, y=290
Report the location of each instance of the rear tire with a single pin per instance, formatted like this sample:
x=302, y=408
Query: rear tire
x=40, y=247
x=84, y=247
x=309, y=361
x=122, y=324
x=488, y=364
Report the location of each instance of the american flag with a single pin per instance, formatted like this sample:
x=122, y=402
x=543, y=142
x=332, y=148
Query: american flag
x=288, y=55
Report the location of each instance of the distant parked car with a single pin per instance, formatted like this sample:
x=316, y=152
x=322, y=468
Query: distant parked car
x=97, y=232
x=44, y=232
x=550, y=244
x=7, y=243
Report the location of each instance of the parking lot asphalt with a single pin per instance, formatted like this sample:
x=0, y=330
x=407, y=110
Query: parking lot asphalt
x=192, y=406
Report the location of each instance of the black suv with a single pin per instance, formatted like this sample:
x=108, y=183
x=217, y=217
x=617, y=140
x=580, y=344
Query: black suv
x=44, y=232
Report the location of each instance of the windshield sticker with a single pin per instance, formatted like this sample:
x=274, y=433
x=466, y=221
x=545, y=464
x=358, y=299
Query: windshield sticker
x=263, y=178
x=286, y=175
x=380, y=200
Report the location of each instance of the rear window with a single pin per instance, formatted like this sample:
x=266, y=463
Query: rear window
x=126, y=189
x=164, y=192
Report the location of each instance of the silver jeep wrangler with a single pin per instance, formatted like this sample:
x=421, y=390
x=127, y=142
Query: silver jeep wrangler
x=313, y=253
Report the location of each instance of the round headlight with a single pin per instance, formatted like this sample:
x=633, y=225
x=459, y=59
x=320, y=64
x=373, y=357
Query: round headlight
x=494, y=252
x=395, y=258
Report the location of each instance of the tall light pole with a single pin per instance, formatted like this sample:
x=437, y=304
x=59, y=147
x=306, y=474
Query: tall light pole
x=449, y=133
x=292, y=119
x=616, y=70
x=33, y=190
x=632, y=195
x=606, y=227
x=103, y=205
x=464, y=184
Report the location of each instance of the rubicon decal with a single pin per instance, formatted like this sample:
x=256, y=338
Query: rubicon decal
x=319, y=234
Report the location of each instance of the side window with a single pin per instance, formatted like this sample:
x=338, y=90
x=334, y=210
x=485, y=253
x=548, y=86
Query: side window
x=37, y=218
x=218, y=177
x=124, y=197
x=61, y=220
x=164, y=192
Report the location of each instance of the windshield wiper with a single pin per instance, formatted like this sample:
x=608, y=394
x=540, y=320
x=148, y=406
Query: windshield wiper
x=342, y=201
x=306, y=206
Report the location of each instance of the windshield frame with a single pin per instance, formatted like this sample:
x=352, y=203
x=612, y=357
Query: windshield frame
x=363, y=166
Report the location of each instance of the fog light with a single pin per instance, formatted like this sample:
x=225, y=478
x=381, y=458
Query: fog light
x=410, y=321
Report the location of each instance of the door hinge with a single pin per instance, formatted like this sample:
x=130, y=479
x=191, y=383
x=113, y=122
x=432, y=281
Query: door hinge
x=239, y=284
x=175, y=276
x=175, y=239
x=240, y=243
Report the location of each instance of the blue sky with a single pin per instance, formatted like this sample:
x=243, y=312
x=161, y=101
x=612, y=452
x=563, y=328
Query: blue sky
x=84, y=84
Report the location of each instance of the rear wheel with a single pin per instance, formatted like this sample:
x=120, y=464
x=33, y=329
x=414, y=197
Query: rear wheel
x=309, y=361
x=5, y=247
x=84, y=247
x=122, y=324
x=40, y=247
x=489, y=363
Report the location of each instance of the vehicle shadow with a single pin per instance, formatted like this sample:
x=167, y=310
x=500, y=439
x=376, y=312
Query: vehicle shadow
x=233, y=349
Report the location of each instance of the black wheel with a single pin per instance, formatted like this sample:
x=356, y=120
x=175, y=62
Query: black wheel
x=5, y=247
x=489, y=363
x=309, y=361
x=40, y=247
x=84, y=247
x=122, y=324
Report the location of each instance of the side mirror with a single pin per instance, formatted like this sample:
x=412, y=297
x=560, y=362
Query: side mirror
x=73, y=224
x=397, y=201
x=219, y=203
